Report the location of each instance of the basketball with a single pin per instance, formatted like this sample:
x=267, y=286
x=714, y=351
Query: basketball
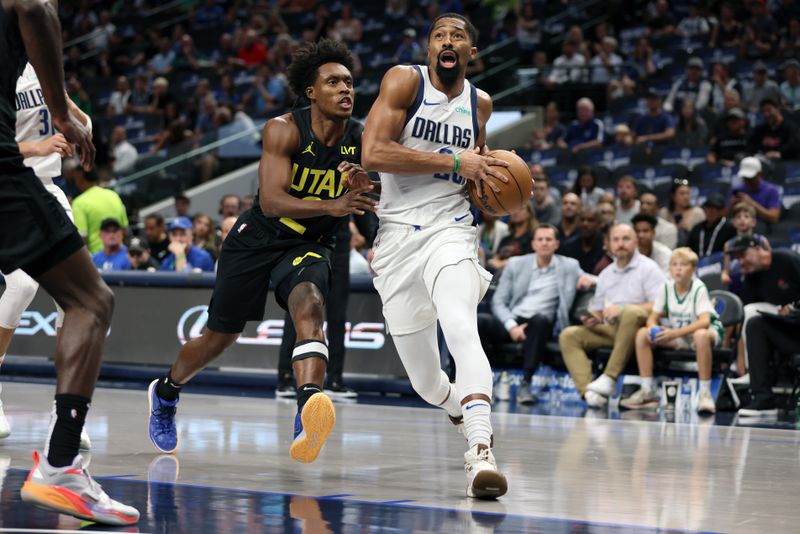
x=512, y=195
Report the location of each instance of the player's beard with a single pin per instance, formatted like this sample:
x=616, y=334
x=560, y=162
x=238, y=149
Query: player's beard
x=448, y=77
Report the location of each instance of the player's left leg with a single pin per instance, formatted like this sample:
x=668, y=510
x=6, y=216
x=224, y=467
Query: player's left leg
x=456, y=295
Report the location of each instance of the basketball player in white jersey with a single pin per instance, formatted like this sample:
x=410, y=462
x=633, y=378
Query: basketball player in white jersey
x=43, y=148
x=425, y=134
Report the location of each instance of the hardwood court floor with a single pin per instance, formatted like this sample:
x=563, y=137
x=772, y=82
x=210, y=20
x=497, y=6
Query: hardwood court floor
x=401, y=468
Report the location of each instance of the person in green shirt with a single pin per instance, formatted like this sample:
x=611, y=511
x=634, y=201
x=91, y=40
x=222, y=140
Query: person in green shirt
x=93, y=205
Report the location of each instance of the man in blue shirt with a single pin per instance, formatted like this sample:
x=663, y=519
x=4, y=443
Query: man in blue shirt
x=585, y=132
x=757, y=192
x=656, y=126
x=183, y=255
x=114, y=256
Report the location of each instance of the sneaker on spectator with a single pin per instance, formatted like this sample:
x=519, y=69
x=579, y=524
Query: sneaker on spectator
x=759, y=407
x=595, y=400
x=524, y=394
x=642, y=399
x=603, y=385
x=705, y=402
x=743, y=380
x=336, y=390
x=286, y=387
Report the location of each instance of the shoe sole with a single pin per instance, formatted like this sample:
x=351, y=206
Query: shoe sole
x=319, y=418
x=64, y=501
x=488, y=485
x=150, y=393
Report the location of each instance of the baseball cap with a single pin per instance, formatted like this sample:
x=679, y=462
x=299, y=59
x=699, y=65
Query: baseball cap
x=735, y=113
x=180, y=223
x=138, y=244
x=742, y=243
x=695, y=62
x=111, y=224
x=749, y=168
x=716, y=200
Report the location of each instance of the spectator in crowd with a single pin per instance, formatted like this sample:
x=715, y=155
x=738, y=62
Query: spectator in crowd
x=156, y=235
x=693, y=24
x=568, y=225
x=568, y=67
x=645, y=228
x=586, y=131
x=660, y=19
x=183, y=255
x=230, y=206
x=205, y=235
x=757, y=192
x=730, y=145
x=528, y=30
x=760, y=33
x=656, y=126
x=623, y=136
x=252, y=52
x=790, y=87
x=679, y=209
x=761, y=89
x=789, y=45
x=728, y=31
x=639, y=67
x=537, y=171
x=588, y=249
x=607, y=212
x=267, y=93
x=585, y=187
x=709, y=237
x=183, y=205
x=666, y=232
x=139, y=256
x=113, y=256
x=743, y=218
x=247, y=202
x=622, y=301
x=188, y=57
x=491, y=232
x=771, y=282
x=775, y=137
x=208, y=16
x=205, y=118
x=409, y=49
x=690, y=86
x=545, y=208
x=606, y=63
x=123, y=154
x=160, y=97
x=692, y=129
x=552, y=132
x=521, y=224
x=161, y=63
x=627, y=203
x=139, y=101
x=693, y=324
x=226, y=94
x=225, y=228
x=726, y=91
x=103, y=33
x=78, y=95
x=532, y=300
x=118, y=101
x=347, y=28
x=93, y=205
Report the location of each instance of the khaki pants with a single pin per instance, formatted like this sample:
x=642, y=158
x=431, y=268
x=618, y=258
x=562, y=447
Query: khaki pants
x=576, y=341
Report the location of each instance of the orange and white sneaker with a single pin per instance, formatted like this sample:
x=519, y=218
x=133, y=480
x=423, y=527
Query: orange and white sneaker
x=312, y=427
x=71, y=490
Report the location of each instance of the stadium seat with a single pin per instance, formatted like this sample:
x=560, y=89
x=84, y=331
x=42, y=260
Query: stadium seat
x=651, y=176
x=786, y=172
x=713, y=172
x=562, y=174
x=791, y=201
x=689, y=157
x=608, y=157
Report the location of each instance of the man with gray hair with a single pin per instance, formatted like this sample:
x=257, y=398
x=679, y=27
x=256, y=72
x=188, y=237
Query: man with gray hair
x=606, y=63
x=586, y=131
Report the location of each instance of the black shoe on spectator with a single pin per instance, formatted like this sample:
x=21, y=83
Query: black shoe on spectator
x=524, y=394
x=759, y=406
x=286, y=387
x=337, y=390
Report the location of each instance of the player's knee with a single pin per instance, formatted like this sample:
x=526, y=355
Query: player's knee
x=641, y=335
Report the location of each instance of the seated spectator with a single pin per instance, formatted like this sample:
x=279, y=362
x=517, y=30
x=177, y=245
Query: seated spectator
x=113, y=256
x=606, y=63
x=692, y=129
x=521, y=224
x=585, y=187
x=645, y=228
x=730, y=145
x=161, y=63
x=160, y=97
x=537, y=171
x=655, y=126
x=775, y=137
x=627, y=203
x=694, y=24
x=491, y=232
x=586, y=131
x=552, y=132
x=568, y=67
x=607, y=212
x=205, y=235
x=692, y=86
x=757, y=192
x=728, y=31
x=205, y=119
x=209, y=15
x=743, y=217
x=267, y=93
x=623, y=136
x=789, y=45
x=666, y=232
x=679, y=209
x=252, y=53
x=545, y=208
x=709, y=237
x=790, y=87
x=771, y=281
x=408, y=50
x=761, y=89
x=118, y=101
x=183, y=255
x=726, y=91
x=639, y=68
x=568, y=225
x=622, y=301
x=532, y=300
x=139, y=101
x=156, y=235
x=528, y=30
x=588, y=248
x=761, y=40
x=692, y=323
x=183, y=205
x=139, y=256
x=660, y=19
x=230, y=206
x=226, y=95
x=123, y=154
x=347, y=29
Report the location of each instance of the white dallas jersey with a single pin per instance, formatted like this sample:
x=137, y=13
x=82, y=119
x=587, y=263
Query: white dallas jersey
x=433, y=124
x=684, y=311
x=34, y=124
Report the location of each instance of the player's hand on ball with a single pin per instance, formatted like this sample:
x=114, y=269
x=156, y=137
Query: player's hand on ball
x=77, y=134
x=476, y=167
x=354, y=202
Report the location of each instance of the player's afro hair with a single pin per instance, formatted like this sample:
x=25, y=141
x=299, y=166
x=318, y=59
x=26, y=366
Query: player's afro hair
x=309, y=57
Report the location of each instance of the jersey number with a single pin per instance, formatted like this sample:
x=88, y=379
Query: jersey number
x=449, y=176
x=47, y=125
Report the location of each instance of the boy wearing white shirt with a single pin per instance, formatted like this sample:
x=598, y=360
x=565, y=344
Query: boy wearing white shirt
x=693, y=324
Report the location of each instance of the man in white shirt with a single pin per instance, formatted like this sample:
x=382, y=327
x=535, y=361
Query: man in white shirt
x=124, y=153
x=568, y=67
x=607, y=62
x=118, y=101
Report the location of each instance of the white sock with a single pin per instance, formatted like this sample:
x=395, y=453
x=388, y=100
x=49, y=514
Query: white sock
x=647, y=383
x=705, y=385
x=477, y=423
x=452, y=405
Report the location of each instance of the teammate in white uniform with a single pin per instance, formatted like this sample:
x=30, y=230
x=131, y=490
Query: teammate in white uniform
x=43, y=149
x=425, y=135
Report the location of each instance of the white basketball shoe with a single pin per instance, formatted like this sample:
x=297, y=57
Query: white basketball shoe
x=484, y=480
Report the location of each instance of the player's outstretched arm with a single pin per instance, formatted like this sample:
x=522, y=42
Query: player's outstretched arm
x=280, y=141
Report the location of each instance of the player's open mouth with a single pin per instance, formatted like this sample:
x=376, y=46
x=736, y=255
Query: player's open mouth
x=448, y=59
x=346, y=102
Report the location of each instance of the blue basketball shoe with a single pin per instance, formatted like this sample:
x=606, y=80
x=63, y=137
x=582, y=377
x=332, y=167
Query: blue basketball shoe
x=163, y=432
x=312, y=427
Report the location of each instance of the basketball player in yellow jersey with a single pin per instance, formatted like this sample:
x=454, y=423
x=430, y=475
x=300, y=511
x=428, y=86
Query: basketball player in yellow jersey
x=425, y=134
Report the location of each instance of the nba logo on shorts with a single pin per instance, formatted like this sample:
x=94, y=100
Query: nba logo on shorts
x=242, y=228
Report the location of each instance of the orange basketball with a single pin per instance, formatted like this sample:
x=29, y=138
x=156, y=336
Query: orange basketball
x=512, y=195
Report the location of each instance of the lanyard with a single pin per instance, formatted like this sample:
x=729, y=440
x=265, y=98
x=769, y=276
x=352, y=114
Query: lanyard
x=713, y=237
